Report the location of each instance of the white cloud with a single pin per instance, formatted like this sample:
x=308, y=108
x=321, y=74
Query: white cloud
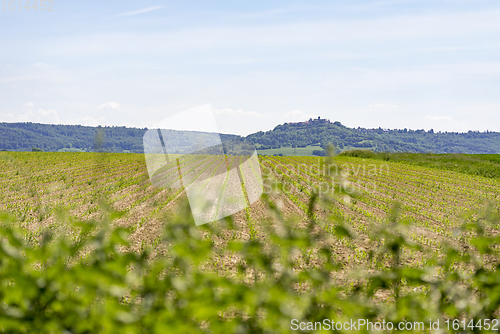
x=480, y=111
x=200, y=118
x=237, y=112
x=17, y=78
x=140, y=11
x=238, y=121
x=109, y=106
x=298, y=115
x=380, y=105
x=49, y=116
x=87, y=120
x=28, y=117
x=6, y=117
x=438, y=118
x=42, y=65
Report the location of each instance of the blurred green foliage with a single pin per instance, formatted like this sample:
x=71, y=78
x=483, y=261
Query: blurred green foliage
x=93, y=283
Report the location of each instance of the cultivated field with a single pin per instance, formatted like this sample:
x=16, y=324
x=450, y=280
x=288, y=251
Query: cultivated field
x=344, y=239
x=36, y=185
x=289, y=151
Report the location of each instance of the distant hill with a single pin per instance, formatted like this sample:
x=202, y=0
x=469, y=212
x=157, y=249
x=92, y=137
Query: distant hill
x=78, y=138
x=314, y=132
x=322, y=132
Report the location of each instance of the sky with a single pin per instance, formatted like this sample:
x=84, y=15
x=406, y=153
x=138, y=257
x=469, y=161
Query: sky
x=390, y=64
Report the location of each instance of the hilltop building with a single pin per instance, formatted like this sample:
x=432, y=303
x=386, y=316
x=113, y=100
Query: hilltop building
x=312, y=121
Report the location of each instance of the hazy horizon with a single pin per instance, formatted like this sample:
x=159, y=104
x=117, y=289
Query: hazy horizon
x=228, y=133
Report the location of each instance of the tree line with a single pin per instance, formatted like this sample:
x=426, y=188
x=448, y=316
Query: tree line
x=319, y=133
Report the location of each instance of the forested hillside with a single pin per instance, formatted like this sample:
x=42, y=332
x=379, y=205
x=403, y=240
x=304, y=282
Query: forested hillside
x=322, y=132
x=319, y=132
x=49, y=137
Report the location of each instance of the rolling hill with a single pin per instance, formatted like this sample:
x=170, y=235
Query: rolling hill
x=314, y=133
x=78, y=138
x=321, y=132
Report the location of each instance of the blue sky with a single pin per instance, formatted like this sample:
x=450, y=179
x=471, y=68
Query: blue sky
x=390, y=64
